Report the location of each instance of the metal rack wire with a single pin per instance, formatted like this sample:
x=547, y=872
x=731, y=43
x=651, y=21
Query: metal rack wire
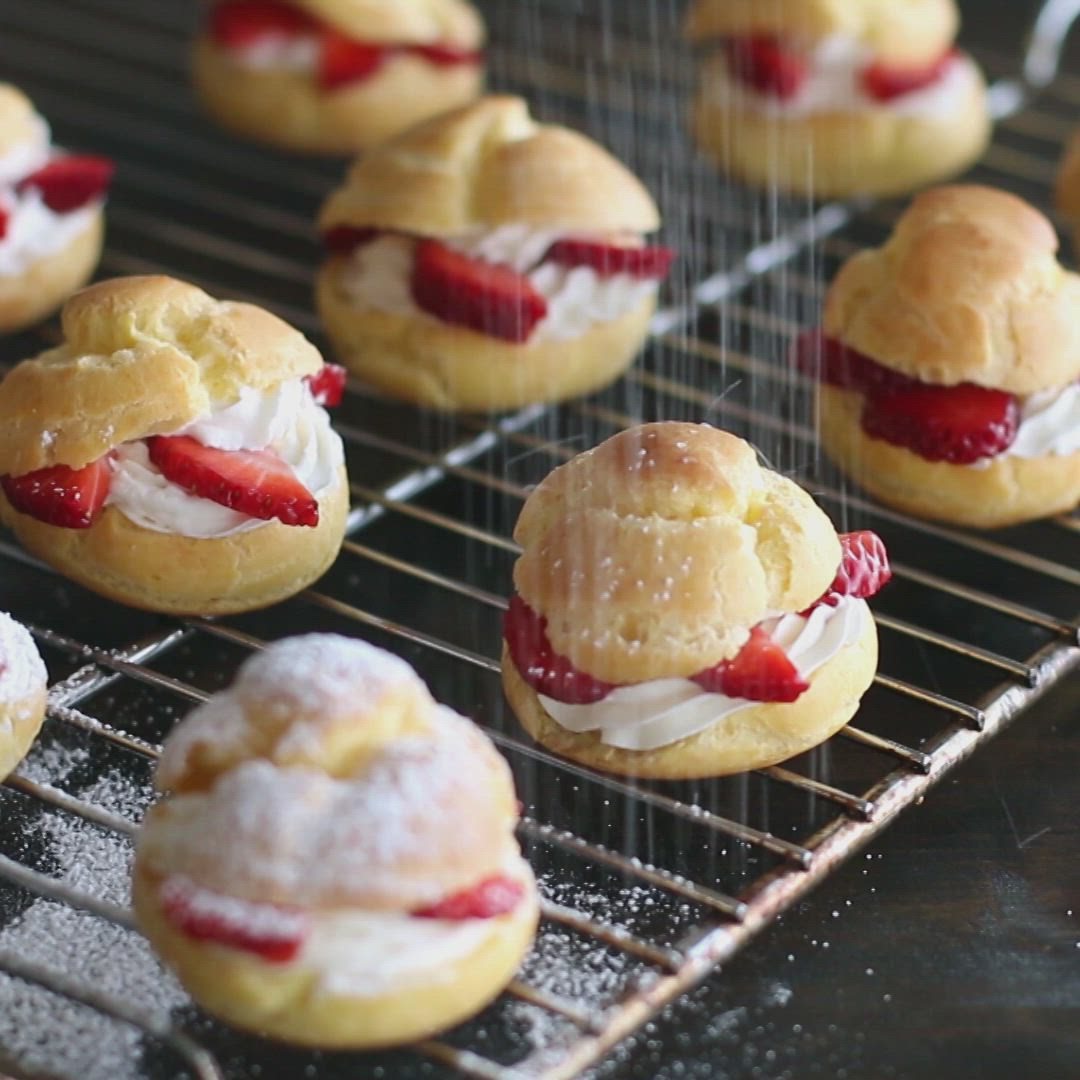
x=654, y=883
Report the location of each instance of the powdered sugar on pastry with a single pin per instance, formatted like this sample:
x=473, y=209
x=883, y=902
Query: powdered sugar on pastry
x=22, y=672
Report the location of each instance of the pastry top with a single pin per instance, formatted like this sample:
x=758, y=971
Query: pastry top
x=338, y=780
x=22, y=672
x=654, y=554
x=421, y=22
x=896, y=31
x=19, y=122
x=1067, y=189
x=489, y=164
x=967, y=289
x=141, y=356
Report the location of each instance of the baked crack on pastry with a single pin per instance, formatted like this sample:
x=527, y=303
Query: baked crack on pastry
x=370, y=891
x=683, y=612
x=485, y=261
x=837, y=97
x=949, y=363
x=51, y=214
x=336, y=76
x=23, y=687
x=174, y=452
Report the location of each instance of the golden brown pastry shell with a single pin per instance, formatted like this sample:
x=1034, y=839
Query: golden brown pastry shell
x=20, y=722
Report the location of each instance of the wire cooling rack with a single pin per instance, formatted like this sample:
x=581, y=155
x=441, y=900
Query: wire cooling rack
x=647, y=886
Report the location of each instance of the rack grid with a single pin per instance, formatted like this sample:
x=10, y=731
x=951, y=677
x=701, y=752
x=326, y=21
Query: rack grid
x=648, y=885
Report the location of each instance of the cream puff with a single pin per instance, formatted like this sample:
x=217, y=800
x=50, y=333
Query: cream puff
x=23, y=685
x=336, y=76
x=837, y=97
x=682, y=612
x=371, y=891
x=51, y=215
x=485, y=261
x=173, y=453
x=949, y=363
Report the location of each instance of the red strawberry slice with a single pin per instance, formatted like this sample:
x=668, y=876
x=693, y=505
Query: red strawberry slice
x=610, y=259
x=253, y=482
x=540, y=665
x=864, y=569
x=481, y=296
x=5, y=217
x=274, y=933
x=328, y=385
x=766, y=65
x=957, y=424
x=70, y=498
x=760, y=671
x=68, y=183
x=342, y=239
x=885, y=83
x=446, y=55
x=492, y=897
x=832, y=362
x=343, y=61
x=237, y=24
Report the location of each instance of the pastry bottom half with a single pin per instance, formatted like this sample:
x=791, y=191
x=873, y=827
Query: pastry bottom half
x=288, y=1002
x=1007, y=491
x=181, y=575
x=288, y=109
x=422, y=360
x=28, y=297
x=20, y=721
x=749, y=739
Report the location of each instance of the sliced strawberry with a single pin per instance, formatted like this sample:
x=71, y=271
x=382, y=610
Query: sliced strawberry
x=760, y=671
x=68, y=183
x=540, y=665
x=237, y=24
x=447, y=55
x=482, y=296
x=610, y=259
x=885, y=83
x=832, y=362
x=957, y=424
x=328, y=385
x=342, y=239
x=5, y=217
x=253, y=482
x=766, y=65
x=492, y=897
x=864, y=569
x=343, y=61
x=70, y=498
x=272, y=932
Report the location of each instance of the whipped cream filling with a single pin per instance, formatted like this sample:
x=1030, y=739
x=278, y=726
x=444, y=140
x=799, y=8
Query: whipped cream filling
x=377, y=276
x=651, y=715
x=34, y=231
x=279, y=52
x=1049, y=425
x=834, y=85
x=284, y=419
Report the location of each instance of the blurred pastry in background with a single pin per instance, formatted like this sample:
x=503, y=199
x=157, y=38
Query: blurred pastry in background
x=683, y=612
x=370, y=890
x=336, y=76
x=485, y=261
x=173, y=453
x=51, y=215
x=1067, y=190
x=949, y=363
x=23, y=687
x=837, y=97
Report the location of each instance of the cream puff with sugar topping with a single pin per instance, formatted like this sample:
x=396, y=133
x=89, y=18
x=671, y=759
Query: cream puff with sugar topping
x=486, y=261
x=837, y=97
x=336, y=76
x=949, y=363
x=51, y=214
x=174, y=452
x=371, y=891
x=23, y=686
x=683, y=612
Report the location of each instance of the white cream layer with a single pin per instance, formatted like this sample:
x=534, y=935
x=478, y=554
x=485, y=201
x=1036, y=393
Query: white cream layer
x=378, y=277
x=1049, y=424
x=284, y=419
x=279, y=52
x=33, y=230
x=650, y=715
x=834, y=85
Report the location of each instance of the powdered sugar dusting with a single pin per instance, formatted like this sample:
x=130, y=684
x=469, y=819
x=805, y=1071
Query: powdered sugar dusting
x=22, y=671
